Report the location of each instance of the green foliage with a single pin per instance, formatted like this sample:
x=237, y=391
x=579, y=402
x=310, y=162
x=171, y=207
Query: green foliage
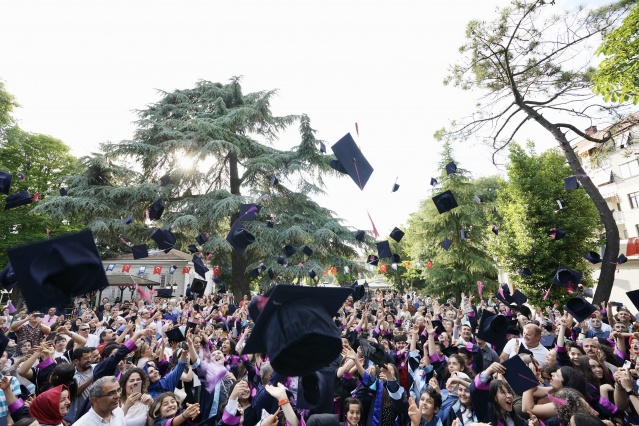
x=467, y=261
x=227, y=138
x=617, y=77
x=528, y=207
x=7, y=103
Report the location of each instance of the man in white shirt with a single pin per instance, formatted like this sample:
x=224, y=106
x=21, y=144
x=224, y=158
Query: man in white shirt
x=92, y=339
x=531, y=342
x=105, y=404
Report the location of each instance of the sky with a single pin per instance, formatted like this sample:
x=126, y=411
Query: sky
x=81, y=69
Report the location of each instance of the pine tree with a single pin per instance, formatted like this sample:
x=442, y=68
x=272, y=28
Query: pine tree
x=467, y=261
x=229, y=137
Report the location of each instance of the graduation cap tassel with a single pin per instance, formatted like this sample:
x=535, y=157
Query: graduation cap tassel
x=547, y=292
x=357, y=171
x=375, y=233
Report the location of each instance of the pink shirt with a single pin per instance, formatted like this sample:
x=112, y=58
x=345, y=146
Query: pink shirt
x=47, y=320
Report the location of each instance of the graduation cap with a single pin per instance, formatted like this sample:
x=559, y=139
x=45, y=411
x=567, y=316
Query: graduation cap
x=307, y=250
x=156, y=209
x=571, y=183
x=175, y=335
x=172, y=269
x=446, y=243
x=289, y=250
x=433, y=182
x=548, y=342
x=312, y=274
x=451, y=168
x=519, y=297
x=504, y=296
x=192, y=249
x=200, y=269
x=621, y=259
x=270, y=224
x=52, y=271
x=271, y=274
x=202, y=238
x=352, y=160
x=588, y=292
x=274, y=180
x=593, y=257
x=239, y=237
x=374, y=352
x=438, y=326
x=249, y=211
x=566, y=277
x=5, y=182
x=281, y=260
x=360, y=235
x=359, y=291
x=164, y=239
x=63, y=192
x=198, y=286
x=525, y=272
x=315, y=391
x=140, y=251
x=255, y=272
x=164, y=293
x=372, y=260
x=397, y=234
x=18, y=199
x=191, y=326
x=579, y=308
x=556, y=233
x=395, y=258
x=444, y=201
x=495, y=230
x=633, y=296
x=165, y=180
x=463, y=234
x=477, y=199
x=522, y=309
x=295, y=328
x=395, y=187
x=492, y=329
x=519, y=376
x=450, y=350
x=127, y=220
x=322, y=147
x=7, y=277
x=383, y=249
x=336, y=165
x=561, y=204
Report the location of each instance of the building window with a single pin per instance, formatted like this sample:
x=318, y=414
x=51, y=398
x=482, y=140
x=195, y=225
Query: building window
x=637, y=229
x=634, y=199
x=629, y=169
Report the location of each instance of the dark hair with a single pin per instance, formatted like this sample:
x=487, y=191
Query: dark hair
x=25, y=421
x=572, y=379
x=154, y=410
x=498, y=414
x=106, y=352
x=445, y=375
x=62, y=374
x=125, y=377
x=437, y=397
x=77, y=353
x=581, y=419
x=586, y=370
x=352, y=401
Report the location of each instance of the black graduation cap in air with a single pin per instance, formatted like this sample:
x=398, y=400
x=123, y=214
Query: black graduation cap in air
x=274, y=180
x=593, y=257
x=622, y=259
x=127, y=220
x=249, y=211
x=579, y=308
x=271, y=274
x=463, y=234
x=372, y=260
x=561, y=204
x=198, y=286
x=492, y=329
x=548, y=342
x=374, y=352
x=352, y=160
x=525, y=272
x=270, y=224
x=495, y=230
x=255, y=272
x=397, y=234
x=519, y=297
x=567, y=278
x=7, y=277
x=323, y=147
x=164, y=293
x=571, y=183
x=175, y=335
x=18, y=199
x=315, y=391
x=165, y=180
x=556, y=233
x=281, y=260
x=200, y=269
x=445, y=201
x=395, y=258
x=451, y=168
x=52, y=271
x=239, y=237
x=336, y=165
x=295, y=327
x=504, y=296
x=307, y=250
x=633, y=296
x=358, y=291
x=202, y=238
x=140, y=251
x=5, y=182
x=312, y=274
x=63, y=192
x=383, y=249
x=156, y=209
x=446, y=243
x=192, y=249
x=289, y=250
x=164, y=239
x=518, y=375
x=433, y=182
x=438, y=326
x=360, y=235
x=395, y=187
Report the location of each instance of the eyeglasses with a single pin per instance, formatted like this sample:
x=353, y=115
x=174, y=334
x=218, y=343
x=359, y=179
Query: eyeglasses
x=113, y=393
x=83, y=329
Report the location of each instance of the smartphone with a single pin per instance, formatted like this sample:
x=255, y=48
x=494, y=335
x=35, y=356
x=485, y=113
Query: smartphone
x=627, y=365
x=136, y=388
x=129, y=360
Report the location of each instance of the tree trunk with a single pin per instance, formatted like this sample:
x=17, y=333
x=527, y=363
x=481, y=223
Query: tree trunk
x=608, y=265
x=240, y=285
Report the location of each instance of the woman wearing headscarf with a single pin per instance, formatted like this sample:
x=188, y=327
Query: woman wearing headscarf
x=48, y=408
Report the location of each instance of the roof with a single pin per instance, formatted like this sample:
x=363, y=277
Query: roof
x=172, y=255
x=127, y=280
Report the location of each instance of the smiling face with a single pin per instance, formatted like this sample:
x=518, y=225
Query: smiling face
x=353, y=415
x=65, y=402
x=574, y=355
x=169, y=407
x=464, y=396
x=154, y=374
x=557, y=380
x=427, y=406
x=596, y=369
x=504, y=399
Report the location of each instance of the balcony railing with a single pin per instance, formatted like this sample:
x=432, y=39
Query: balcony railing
x=619, y=217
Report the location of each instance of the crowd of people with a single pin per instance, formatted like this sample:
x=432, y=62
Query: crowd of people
x=406, y=359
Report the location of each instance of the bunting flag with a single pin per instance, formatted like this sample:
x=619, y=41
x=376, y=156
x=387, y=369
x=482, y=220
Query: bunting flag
x=145, y=294
x=157, y=270
x=633, y=246
x=375, y=233
x=429, y=264
x=371, y=268
x=126, y=268
x=418, y=265
x=394, y=266
x=333, y=270
x=11, y=308
x=36, y=197
x=186, y=270
x=382, y=268
x=217, y=271
x=346, y=269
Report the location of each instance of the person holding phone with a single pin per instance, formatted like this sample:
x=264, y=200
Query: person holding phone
x=31, y=329
x=134, y=399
